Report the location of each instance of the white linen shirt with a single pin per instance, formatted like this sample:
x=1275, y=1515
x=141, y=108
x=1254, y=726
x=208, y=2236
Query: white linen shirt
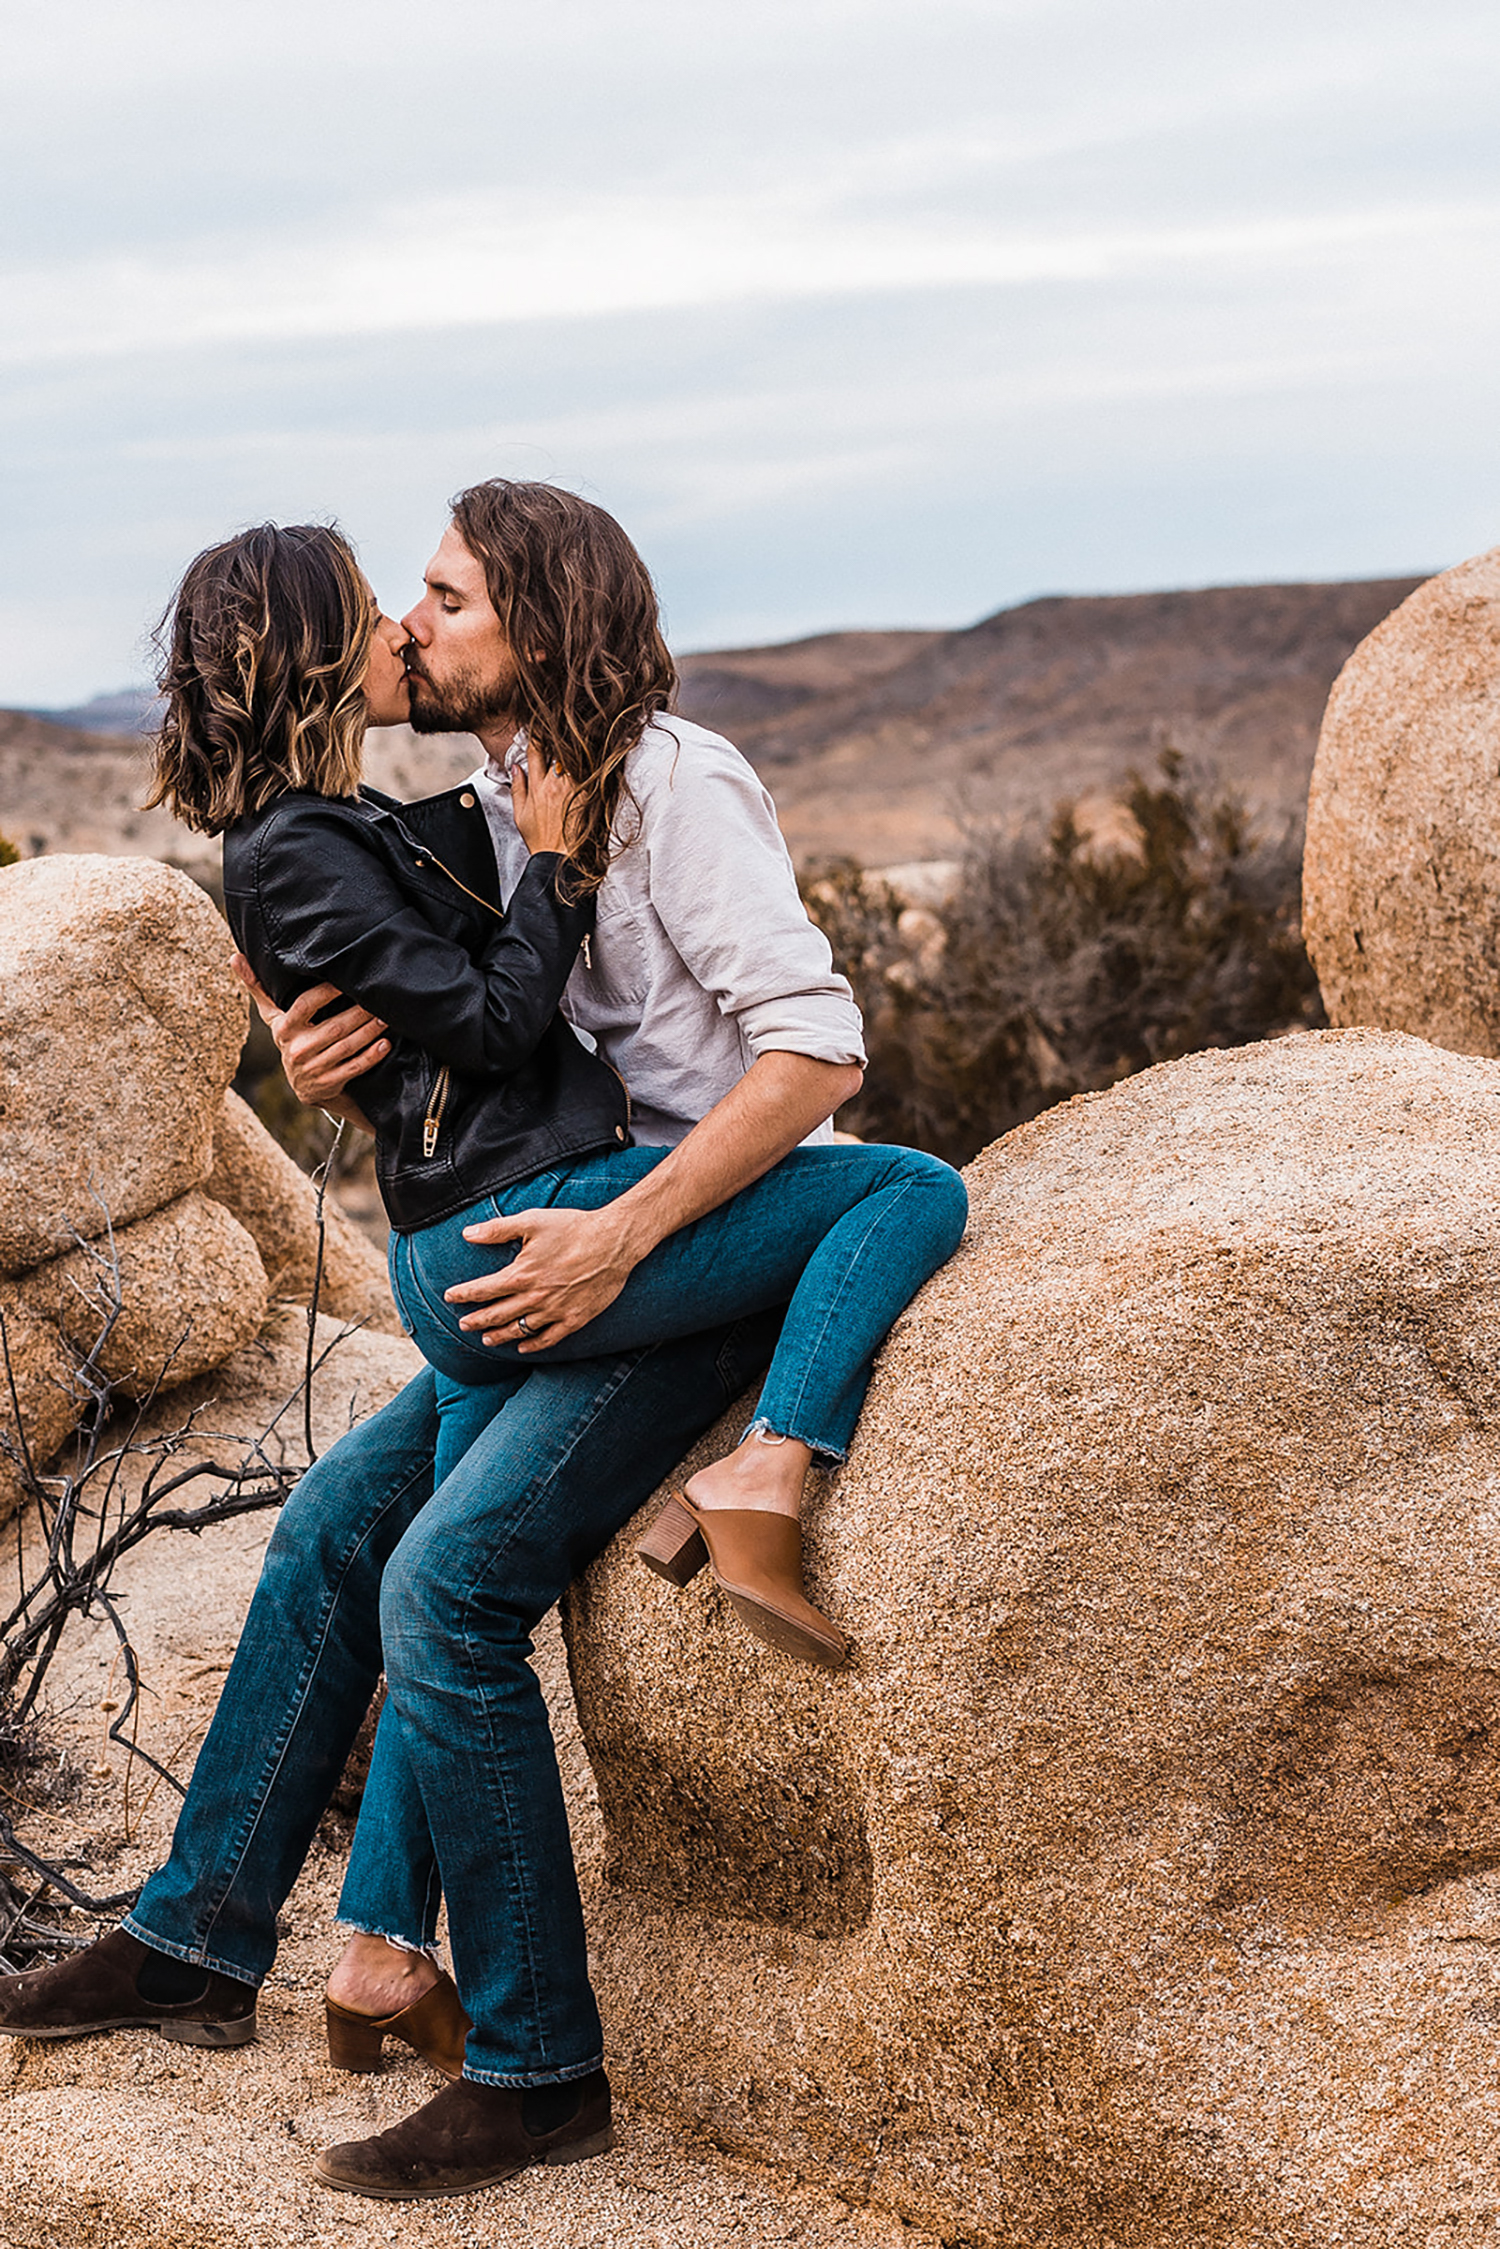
x=703, y=956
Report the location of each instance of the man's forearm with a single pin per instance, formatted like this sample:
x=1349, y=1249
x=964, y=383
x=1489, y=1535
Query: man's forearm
x=777, y=1103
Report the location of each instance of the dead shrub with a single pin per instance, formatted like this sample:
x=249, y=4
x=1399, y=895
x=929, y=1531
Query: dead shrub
x=1063, y=966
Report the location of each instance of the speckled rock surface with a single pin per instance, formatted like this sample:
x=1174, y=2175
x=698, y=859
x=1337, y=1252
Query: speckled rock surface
x=128, y=2142
x=1139, y=1883
x=120, y=1027
x=1401, y=879
x=192, y=1290
x=277, y=1204
x=37, y=1377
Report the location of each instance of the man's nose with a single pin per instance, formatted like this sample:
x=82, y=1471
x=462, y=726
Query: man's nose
x=411, y=626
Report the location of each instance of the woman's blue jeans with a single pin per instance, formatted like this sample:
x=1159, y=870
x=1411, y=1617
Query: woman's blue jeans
x=848, y=1234
x=372, y=1567
x=429, y=1543
x=844, y=1236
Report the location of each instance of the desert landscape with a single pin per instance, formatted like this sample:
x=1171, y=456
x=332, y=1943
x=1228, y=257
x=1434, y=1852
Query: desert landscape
x=880, y=747
x=1136, y=1885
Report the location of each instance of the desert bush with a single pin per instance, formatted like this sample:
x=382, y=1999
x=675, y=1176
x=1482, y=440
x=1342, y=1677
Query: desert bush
x=1058, y=967
x=9, y=856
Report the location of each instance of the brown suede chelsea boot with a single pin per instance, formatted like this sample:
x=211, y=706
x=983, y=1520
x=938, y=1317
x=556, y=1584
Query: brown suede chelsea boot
x=121, y=1984
x=471, y=2135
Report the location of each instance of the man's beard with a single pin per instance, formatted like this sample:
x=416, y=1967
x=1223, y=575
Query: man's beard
x=464, y=704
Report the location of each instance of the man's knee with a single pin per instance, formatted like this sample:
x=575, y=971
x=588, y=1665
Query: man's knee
x=438, y=1594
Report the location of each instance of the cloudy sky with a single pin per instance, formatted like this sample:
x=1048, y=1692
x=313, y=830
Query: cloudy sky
x=857, y=312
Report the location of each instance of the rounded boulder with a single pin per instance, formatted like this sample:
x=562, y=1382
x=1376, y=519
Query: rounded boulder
x=1401, y=875
x=120, y=1027
x=1138, y=1883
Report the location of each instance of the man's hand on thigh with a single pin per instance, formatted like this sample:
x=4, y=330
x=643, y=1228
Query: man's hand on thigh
x=571, y=1265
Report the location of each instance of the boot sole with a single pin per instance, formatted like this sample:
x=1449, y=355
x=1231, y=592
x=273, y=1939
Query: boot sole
x=783, y=1633
x=577, y=2151
x=181, y=2033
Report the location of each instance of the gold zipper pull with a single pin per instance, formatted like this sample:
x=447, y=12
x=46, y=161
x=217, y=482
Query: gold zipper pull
x=434, y=1116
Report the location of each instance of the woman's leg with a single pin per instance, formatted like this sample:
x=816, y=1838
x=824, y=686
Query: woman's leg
x=846, y=1234
x=390, y=1896
x=544, y=1489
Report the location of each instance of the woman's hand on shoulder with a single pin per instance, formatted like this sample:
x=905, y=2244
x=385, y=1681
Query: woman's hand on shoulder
x=541, y=803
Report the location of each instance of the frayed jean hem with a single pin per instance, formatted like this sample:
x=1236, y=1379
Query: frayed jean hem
x=388, y=1936
x=825, y=1456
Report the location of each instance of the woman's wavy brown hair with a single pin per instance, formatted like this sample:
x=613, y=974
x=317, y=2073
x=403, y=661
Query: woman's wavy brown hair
x=264, y=650
x=578, y=608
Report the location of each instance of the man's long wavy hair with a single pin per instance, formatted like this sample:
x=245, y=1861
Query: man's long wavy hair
x=264, y=649
x=578, y=608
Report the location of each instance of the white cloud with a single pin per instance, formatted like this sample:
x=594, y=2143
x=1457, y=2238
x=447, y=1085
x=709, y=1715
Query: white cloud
x=483, y=262
x=859, y=309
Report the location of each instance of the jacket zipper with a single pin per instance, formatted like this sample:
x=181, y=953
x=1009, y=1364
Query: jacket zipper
x=432, y=1122
x=435, y=1108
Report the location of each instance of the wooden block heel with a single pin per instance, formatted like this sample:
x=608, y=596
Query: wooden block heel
x=434, y=2026
x=674, y=1546
x=354, y=2041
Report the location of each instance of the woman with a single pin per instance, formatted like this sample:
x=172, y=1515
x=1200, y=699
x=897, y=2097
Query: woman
x=488, y=1105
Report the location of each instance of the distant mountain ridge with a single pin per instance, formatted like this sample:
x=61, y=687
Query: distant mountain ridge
x=878, y=746
x=129, y=710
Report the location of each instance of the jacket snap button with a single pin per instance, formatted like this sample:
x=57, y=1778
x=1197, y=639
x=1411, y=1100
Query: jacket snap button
x=619, y=1132
x=467, y=800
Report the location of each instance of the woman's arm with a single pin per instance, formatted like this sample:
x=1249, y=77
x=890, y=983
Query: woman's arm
x=334, y=912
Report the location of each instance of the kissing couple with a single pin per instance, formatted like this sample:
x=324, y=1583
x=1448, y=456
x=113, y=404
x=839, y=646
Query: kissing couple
x=598, y=1041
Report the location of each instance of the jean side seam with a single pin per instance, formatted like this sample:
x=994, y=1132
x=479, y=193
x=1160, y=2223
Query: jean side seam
x=298, y=1703
x=796, y=1408
x=519, y=1522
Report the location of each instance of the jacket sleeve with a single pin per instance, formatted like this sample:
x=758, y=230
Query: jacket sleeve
x=722, y=886
x=333, y=911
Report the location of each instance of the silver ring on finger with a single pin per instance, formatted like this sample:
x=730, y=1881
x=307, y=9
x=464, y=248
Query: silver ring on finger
x=521, y=1323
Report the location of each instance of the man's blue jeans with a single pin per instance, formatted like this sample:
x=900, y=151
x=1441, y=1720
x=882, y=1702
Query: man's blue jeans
x=843, y=1236
x=847, y=1233
x=370, y=1567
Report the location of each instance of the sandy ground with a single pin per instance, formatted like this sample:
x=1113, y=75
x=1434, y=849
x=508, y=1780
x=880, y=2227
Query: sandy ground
x=106, y=2143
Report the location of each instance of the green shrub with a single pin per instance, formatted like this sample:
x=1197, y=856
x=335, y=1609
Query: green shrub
x=9, y=856
x=1061, y=968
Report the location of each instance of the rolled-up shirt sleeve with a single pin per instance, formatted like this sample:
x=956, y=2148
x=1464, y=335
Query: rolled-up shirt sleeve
x=723, y=887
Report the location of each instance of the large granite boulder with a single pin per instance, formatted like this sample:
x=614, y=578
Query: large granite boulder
x=1401, y=880
x=149, y=1307
x=163, y=1300
x=277, y=1204
x=1139, y=1882
x=120, y=1027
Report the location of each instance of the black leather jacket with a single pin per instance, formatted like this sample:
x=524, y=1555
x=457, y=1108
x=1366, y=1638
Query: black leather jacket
x=398, y=905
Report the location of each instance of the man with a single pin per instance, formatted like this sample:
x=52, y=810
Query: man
x=708, y=988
